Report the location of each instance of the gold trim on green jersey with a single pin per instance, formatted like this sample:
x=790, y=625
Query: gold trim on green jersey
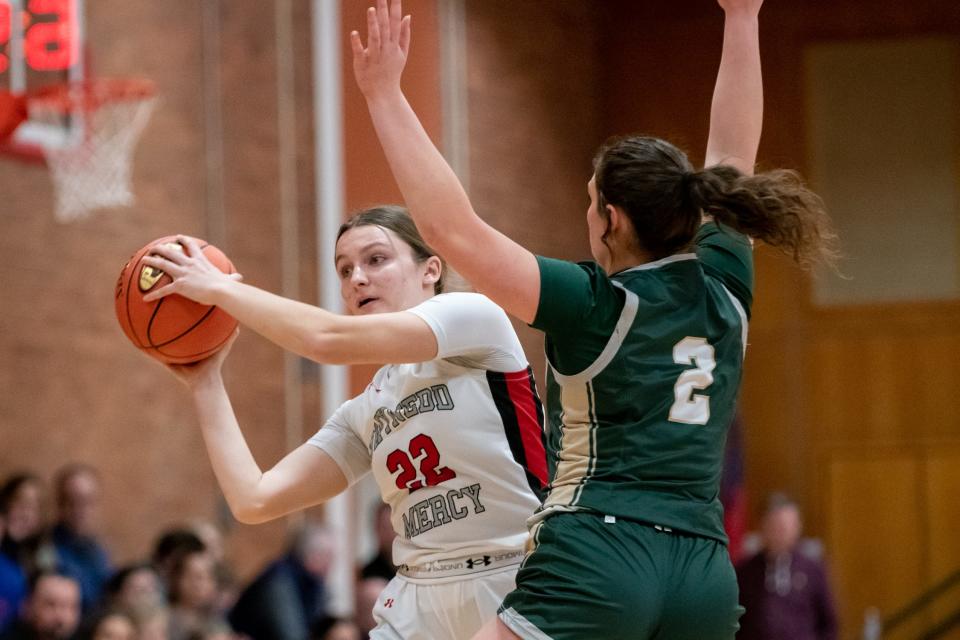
x=744, y=323
x=627, y=315
x=574, y=459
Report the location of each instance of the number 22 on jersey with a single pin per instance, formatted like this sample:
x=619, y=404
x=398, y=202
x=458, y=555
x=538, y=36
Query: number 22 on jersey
x=430, y=470
x=689, y=407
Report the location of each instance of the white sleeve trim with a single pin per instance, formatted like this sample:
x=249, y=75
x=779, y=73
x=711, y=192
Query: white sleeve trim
x=521, y=626
x=343, y=444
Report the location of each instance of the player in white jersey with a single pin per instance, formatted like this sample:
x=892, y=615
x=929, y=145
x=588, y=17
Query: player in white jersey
x=452, y=429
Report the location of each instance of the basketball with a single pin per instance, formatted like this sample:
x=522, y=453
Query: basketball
x=173, y=329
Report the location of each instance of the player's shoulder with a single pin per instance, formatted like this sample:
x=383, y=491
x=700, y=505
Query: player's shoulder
x=463, y=298
x=458, y=303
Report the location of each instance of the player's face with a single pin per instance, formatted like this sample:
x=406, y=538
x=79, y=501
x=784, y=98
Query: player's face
x=596, y=226
x=378, y=272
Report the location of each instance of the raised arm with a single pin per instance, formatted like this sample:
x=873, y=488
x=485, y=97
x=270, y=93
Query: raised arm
x=736, y=115
x=493, y=263
x=305, y=477
x=304, y=329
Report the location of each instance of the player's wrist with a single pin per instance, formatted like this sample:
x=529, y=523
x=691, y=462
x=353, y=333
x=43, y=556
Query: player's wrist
x=385, y=96
x=223, y=291
x=742, y=16
x=205, y=387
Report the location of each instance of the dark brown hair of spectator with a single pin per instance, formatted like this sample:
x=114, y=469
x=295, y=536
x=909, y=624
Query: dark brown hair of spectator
x=12, y=485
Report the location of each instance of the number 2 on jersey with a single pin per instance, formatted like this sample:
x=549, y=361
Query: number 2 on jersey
x=689, y=407
x=430, y=469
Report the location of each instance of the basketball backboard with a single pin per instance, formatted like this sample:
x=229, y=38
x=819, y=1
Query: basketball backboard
x=41, y=43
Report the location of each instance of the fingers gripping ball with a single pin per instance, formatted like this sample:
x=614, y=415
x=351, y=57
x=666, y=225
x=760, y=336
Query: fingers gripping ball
x=173, y=329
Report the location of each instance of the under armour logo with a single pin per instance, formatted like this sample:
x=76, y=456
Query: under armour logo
x=388, y=603
x=474, y=562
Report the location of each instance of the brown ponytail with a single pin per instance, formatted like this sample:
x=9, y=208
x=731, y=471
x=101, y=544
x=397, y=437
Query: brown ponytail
x=774, y=207
x=654, y=183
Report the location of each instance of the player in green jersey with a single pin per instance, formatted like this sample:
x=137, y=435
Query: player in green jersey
x=645, y=346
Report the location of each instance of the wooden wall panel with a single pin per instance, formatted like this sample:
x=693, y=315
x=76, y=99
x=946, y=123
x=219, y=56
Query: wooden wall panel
x=874, y=537
x=943, y=522
x=534, y=125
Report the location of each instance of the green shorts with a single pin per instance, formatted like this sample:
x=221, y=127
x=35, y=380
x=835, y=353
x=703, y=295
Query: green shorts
x=589, y=579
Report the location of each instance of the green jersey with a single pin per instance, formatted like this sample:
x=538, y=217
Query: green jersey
x=643, y=372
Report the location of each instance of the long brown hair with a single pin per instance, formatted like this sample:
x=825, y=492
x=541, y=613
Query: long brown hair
x=654, y=183
x=398, y=220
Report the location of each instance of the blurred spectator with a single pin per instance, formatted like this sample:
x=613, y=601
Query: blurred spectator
x=368, y=592
x=74, y=534
x=169, y=546
x=21, y=500
x=153, y=624
x=193, y=596
x=13, y=585
x=216, y=632
x=135, y=588
x=330, y=628
x=381, y=565
x=289, y=596
x=111, y=624
x=212, y=539
x=784, y=587
x=51, y=610
x=210, y=535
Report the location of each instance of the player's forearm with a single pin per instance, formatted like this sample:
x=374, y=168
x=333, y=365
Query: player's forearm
x=308, y=331
x=736, y=114
x=293, y=325
x=233, y=464
x=430, y=188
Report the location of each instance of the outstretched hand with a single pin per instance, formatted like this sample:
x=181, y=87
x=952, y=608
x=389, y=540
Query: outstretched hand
x=378, y=67
x=194, y=276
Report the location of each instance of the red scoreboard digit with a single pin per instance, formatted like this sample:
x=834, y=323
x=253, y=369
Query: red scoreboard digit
x=54, y=44
x=48, y=33
x=5, y=15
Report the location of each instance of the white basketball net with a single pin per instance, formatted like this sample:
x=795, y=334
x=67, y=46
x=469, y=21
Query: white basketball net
x=92, y=168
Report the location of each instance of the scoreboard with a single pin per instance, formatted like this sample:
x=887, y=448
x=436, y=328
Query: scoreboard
x=40, y=42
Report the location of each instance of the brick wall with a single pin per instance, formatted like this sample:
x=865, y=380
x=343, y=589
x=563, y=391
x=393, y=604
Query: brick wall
x=73, y=388
x=534, y=119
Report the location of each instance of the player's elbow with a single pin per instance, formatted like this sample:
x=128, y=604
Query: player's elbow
x=247, y=512
x=251, y=512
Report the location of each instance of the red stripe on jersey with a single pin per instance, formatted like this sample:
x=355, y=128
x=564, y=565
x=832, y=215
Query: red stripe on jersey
x=529, y=420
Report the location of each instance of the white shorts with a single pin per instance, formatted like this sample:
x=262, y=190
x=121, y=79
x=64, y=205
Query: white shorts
x=440, y=609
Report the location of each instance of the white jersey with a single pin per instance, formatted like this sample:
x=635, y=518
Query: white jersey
x=455, y=444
